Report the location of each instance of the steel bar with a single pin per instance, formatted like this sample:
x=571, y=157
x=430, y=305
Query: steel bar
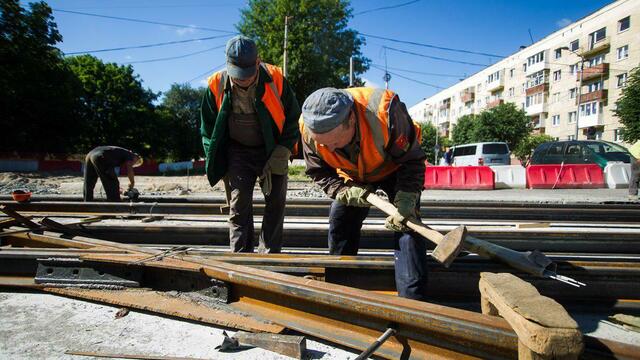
x=619, y=213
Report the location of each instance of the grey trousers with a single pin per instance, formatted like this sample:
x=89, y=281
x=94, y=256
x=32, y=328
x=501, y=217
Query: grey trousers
x=635, y=176
x=245, y=166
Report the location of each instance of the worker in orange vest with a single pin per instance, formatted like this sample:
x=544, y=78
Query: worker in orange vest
x=356, y=141
x=249, y=128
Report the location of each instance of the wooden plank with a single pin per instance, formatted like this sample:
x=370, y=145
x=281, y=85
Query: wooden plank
x=544, y=328
x=289, y=345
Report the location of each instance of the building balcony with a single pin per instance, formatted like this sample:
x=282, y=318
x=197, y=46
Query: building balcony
x=494, y=103
x=598, y=95
x=467, y=96
x=445, y=104
x=586, y=121
x=496, y=85
x=594, y=48
x=538, y=88
x=536, y=109
x=600, y=70
x=539, y=66
x=538, y=123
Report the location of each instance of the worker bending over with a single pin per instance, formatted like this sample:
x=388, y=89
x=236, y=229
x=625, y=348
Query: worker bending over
x=101, y=163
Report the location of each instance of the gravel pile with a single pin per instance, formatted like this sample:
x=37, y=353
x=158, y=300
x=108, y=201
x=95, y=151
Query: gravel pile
x=35, y=183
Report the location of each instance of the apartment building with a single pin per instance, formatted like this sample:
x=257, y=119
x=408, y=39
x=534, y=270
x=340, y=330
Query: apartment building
x=599, y=51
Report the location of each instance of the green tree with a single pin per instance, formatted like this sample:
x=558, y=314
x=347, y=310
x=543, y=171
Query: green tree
x=525, y=148
x=116, y=109
x=180, y=110
x=38, y=97
x=464, y=131
x=628, y=108
x=319, y=41
x=504, y=122
x=429, y=142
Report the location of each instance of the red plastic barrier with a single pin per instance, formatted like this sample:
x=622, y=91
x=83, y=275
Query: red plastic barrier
x=199, y=164
x=59, y=165
x=459, y=178
x=567, y=176
x=149, y=167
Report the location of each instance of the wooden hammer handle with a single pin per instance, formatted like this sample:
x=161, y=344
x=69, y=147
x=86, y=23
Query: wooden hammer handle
x=422, y=229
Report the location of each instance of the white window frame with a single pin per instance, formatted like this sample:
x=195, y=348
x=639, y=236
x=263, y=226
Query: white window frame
x=617, y=135
x=557, y=75
x=558, y=53
x=572, y=117
x=621, y=80
x=571, y=137
x=593, y=37
x=624, y=51
x=577, y=43
x=511, y=73
x=628, y=18
x=573, y=93
x=555, y=120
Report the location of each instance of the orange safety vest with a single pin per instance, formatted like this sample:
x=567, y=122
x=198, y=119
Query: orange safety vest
x=272, y=92
x=372, y=113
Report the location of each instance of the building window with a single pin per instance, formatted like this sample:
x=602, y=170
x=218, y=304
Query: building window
x=535, y=99
x=623, y=24
x=512, y=91
x=595, y=86
x=623, y=52
x=571, y=137
x=555, y=97
x=574, y=45
x=511, y=73
x=572, y=117
x=622, y=80
x=597, y=36
x=617, y=135
x=536, y=79
x=557, y=75
x=573, y=93
x=523, y=88
x=589, y=109
x=555, y=120
x=539, y=57
x=573, y=69
x=558, y=53
x=493, y=77
x=595, y=60
x=524, y=67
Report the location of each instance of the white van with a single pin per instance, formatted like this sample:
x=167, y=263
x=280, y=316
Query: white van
x=486, y=153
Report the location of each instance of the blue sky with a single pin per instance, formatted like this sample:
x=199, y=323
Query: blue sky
x=491, y=27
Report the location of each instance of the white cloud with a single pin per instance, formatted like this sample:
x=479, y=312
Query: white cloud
x=563, y=22
x=370, y=83
x=187, y=30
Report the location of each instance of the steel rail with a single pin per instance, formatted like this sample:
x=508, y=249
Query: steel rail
x=345, y=315
x=619, y=213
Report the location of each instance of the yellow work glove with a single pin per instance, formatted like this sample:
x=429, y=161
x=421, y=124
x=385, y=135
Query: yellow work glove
x=354, y=196
x=278, y=164
x=405, y=202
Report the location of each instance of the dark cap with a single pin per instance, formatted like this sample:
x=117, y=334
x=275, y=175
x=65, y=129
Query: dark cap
x=325, y=109
x=241, y=57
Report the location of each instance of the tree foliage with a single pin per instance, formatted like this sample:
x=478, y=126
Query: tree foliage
x=180, y=111
x=37, y=90
x=628, y=108
x=464, y=131
x=116, y=109
x=319, y=41
x=525, y=148
x=504, y=122
x=429, y=142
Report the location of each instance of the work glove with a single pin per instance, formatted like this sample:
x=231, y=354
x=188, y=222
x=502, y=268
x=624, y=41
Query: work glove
x=278, y=164
x=405, y=203
x=354, y=196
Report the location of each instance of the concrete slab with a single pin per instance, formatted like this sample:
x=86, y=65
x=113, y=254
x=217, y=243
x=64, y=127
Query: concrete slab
x=44, y=326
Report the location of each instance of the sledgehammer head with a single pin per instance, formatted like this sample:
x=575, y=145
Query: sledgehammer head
x=450, y=246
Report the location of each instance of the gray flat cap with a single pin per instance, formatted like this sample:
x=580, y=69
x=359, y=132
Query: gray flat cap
x=325, y=109
x=241, y=57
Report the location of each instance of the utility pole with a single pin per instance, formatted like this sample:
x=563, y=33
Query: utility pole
x=387, y=76
x=351, y=71
x=286, y=33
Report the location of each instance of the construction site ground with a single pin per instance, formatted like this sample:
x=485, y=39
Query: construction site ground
x=198, y=186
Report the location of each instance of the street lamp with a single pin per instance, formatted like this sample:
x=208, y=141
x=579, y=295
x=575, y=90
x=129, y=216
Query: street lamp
x=579, y=86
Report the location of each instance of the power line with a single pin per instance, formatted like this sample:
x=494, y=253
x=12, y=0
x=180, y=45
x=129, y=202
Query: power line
x=175, y=57
x=147, y=45
x=437, y=58
x=154, y=6
x=422, y=73
x=145, y=21
x=207, y=72
x=406, y=78
x=386, y=7
x=431, y=46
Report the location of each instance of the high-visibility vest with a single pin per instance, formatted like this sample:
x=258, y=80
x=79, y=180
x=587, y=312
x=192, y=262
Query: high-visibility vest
x=372, y=113
x=272, y=92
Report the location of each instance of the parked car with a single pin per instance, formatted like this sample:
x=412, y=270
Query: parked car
x=485, y=153
x=580, y=152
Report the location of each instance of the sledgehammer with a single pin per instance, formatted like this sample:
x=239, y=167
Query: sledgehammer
x=447, y=246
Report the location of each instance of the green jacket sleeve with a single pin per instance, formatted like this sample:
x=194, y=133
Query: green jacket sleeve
x=208, y=115
x=290, y=130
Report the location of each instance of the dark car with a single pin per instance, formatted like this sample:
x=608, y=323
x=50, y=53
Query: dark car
x=580, y=152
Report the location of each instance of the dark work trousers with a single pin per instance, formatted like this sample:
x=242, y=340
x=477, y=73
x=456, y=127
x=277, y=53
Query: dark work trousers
x=96, y=168
x=410, y=251
x=245, y=166
x=635, y=176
